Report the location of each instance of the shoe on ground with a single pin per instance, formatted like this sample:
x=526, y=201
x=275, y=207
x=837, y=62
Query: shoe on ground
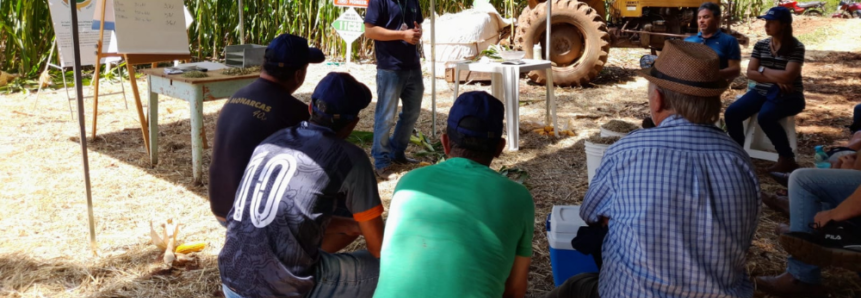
x=776, y=203
x=837, y=244
x=781, y=229
x=784, y=165
x=386, y=173
x=404, y=161
x=785, y=285
x=780, y=178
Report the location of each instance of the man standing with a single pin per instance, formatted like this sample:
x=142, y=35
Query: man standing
x=306, y=194
x=255, y=112
x=460, y=229
x=680, y=200
x=726, y=46
x=395, y=27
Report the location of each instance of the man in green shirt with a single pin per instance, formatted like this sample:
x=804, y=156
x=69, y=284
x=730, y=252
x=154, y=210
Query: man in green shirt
x=460, y=229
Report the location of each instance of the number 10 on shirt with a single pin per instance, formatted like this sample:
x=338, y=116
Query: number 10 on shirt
x=350, y=27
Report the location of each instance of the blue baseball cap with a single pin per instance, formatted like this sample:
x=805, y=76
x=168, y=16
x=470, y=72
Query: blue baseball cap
x=291, y=51
x=777, y=13
x=343, y=95
x=476, y=114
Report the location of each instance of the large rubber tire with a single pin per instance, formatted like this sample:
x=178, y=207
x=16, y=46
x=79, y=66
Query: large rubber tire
x=579, y=38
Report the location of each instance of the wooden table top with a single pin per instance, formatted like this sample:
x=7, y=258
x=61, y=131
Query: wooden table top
x=214, y=76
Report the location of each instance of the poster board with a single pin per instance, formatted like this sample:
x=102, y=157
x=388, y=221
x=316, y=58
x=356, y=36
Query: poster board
x=144, y=26
x=62, y=21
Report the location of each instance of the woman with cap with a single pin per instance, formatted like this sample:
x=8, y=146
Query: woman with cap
x=775, y=66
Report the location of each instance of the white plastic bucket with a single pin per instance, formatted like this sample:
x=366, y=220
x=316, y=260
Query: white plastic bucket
x=594, y=154
x=609, y=133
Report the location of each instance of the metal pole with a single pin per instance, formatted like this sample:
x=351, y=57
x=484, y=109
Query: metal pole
x=241, y=23
x=547, y=43
x=433, y=68
x=79, y=89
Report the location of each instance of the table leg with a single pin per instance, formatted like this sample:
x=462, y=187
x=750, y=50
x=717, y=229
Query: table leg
x=551, y=103
x=497, y=88
x=456, y=83
x=512, y=88
x=153, y=123
x=196, y=105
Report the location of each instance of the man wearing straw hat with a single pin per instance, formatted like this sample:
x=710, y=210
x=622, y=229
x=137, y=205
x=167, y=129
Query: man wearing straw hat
x=679, y=200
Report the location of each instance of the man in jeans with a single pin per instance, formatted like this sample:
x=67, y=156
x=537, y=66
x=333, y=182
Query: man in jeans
x=306, y=194
x=817, y=197
x=395, y=27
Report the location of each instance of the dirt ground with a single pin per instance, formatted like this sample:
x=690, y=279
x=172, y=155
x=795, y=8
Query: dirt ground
x=44, y=246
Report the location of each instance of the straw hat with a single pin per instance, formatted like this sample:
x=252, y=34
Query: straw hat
x=687, y=68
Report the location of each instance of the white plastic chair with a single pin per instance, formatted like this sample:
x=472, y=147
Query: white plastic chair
x=757, y=144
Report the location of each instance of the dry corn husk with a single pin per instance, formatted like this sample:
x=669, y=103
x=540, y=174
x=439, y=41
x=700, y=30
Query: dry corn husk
x=45, y=79
x=5, y=78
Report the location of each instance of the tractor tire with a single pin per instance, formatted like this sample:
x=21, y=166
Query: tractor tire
x=579, y=38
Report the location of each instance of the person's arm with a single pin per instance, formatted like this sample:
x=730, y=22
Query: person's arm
x=380, y=33
x=343, y=225
x=597, y=203
x=850, y=208
x=732, y=71
x=769, y=75
x=373, y=232
x=517, y=282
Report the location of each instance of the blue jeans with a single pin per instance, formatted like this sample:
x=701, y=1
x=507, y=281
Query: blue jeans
x=856, y=117
x=392, y=85
x=811, y=191
x=770, y=112
x=343, y=275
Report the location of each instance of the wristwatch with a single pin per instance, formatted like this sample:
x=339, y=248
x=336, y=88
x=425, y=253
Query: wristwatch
x=761, y=69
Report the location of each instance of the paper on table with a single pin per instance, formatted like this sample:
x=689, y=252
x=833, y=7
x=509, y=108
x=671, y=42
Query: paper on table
x=210, y=66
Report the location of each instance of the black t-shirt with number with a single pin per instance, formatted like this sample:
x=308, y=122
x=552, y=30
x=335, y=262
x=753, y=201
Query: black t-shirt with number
x=762, y=51
x=247, y=118
x=293, y=184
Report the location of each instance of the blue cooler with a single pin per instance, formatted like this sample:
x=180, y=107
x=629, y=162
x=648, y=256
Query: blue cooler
x=562, y=225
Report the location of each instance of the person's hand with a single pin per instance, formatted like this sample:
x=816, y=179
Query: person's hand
x=823, y=217
x=412, y=36
x=847, y=162
x=786, y=88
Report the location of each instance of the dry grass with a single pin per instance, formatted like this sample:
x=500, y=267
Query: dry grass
x=44, y=249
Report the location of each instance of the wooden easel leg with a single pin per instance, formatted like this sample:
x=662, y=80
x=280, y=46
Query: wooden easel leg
x=96, y=95
x=137, y=95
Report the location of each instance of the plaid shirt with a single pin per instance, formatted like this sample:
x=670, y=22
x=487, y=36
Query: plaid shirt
x=683, y=201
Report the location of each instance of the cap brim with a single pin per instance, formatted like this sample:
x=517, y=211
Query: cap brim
x=315, y=55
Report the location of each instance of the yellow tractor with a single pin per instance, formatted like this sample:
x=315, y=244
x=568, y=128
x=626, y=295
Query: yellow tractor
x=583, y=32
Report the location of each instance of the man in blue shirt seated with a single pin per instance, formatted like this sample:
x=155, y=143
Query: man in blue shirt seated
x=726, y=46
x=680, y=200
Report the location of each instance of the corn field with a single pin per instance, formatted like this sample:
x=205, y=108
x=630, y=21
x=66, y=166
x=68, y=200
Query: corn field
x=26, y=33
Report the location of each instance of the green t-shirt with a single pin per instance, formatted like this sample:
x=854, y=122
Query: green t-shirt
x=453, y=231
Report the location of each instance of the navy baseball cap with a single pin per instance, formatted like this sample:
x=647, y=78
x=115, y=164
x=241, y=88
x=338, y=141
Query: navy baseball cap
x=291, y=51
x=778, y=13
x=476, y=114
x=343, y=95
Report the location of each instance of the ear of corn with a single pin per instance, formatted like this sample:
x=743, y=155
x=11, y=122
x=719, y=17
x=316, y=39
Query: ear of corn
x=190, y=247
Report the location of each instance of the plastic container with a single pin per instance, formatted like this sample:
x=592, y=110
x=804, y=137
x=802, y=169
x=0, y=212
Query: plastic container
x=594, y=155
x=537, y=52
x=609, y=133
x=562, y=225
x=821, y=158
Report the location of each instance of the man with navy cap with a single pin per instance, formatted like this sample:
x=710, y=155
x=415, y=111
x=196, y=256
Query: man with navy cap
x=459, y=228
x=255, y=112
x=306, y=194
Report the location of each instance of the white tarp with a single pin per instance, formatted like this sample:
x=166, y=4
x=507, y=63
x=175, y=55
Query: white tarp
x=463, y=35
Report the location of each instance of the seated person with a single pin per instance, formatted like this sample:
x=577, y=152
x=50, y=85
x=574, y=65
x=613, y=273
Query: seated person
x=459, y=228
x=306, y=194
x=679, y=200
x=813, y=195
x=775, y=64
x=254, y=113
x=725, y=45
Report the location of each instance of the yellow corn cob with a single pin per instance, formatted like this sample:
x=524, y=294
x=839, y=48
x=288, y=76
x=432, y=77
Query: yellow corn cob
x=191, y=247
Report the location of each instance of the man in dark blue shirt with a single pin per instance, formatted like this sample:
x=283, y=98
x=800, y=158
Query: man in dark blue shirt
x=255, y=112
x=305, y=188
x=726, y=46
x=395, y=27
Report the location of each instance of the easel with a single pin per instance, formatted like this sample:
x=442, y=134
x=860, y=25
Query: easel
x=66, y=85
x=131, y=61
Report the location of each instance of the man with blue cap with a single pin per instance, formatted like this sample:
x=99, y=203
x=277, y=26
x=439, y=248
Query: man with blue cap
x=306, y=194
x=459, y=228
x=255, y=112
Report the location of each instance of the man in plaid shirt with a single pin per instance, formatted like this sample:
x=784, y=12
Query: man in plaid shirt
x=680, y=200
